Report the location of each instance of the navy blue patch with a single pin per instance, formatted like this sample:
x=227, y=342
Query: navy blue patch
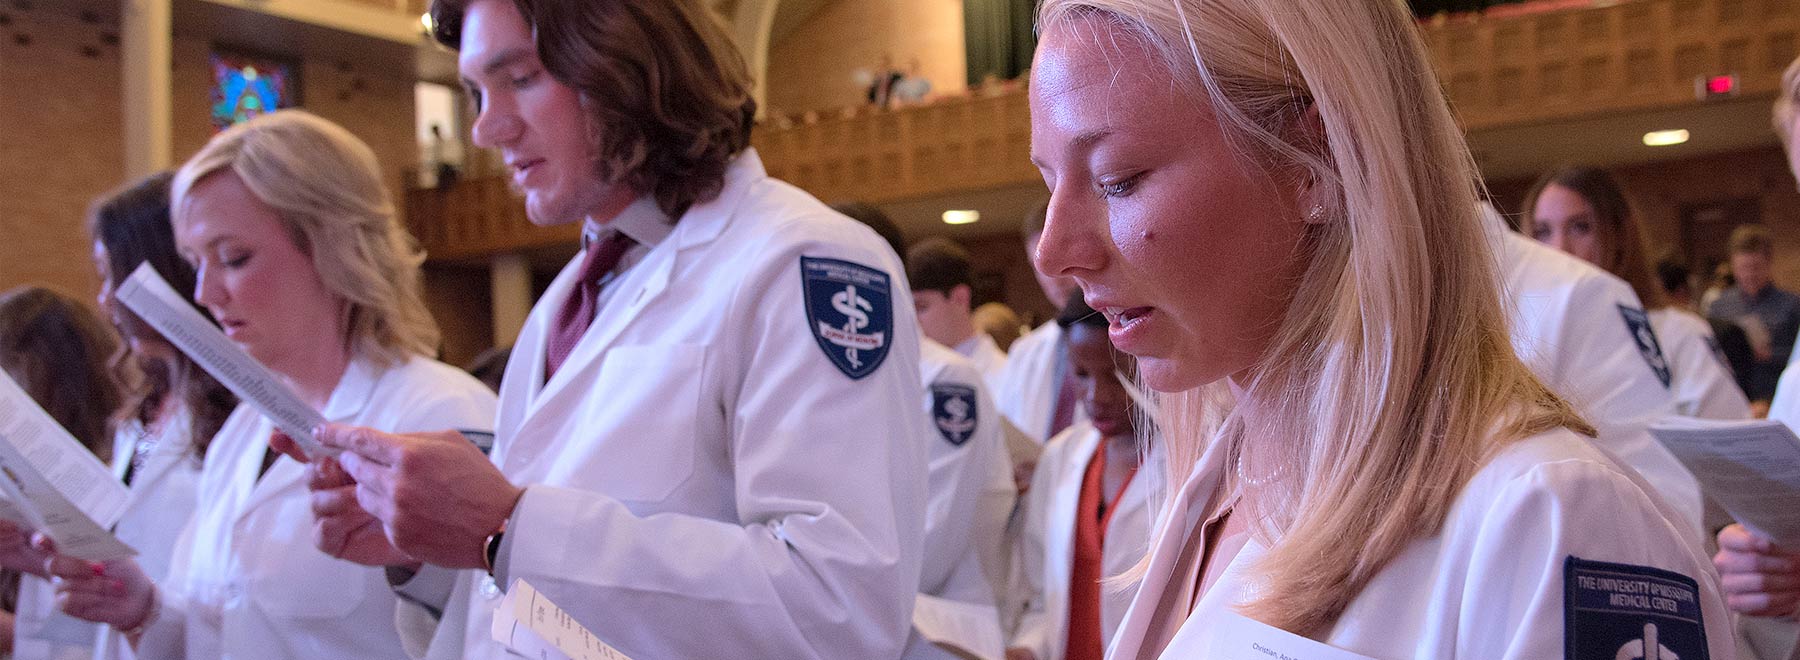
x=849, y=308
x=953, y=408
x=1638, y=324
x=1625, y=611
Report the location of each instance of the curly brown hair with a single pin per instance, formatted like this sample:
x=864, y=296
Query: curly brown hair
x=663, y=83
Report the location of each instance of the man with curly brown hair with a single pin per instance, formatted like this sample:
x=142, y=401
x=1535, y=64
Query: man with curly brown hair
x=708, y=437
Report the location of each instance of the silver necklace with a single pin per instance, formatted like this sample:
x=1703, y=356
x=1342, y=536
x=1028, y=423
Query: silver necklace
x=1245, y=479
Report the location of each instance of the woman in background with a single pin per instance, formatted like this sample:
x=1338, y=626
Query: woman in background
x=1585, y=212
x=170, y=412
x=57, y=351
x=175, y=408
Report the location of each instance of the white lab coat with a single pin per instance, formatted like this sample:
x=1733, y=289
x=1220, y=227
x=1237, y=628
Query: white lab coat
x=1026, y=394
x=1047, y=549
x=1785, y=405
x=985, y=354
x=157, y=508
x=971, y=492
x=1489, y=586
x=1702, y=383
x=1569, y=325
x=246, y=581
x=700, y=479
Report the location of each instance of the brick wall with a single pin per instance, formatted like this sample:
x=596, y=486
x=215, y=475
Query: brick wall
x=61, y=136
x=813, y=67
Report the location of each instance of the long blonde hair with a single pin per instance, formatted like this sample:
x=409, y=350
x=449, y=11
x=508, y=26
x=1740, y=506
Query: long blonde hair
x=1392, y=378
x=325, y=185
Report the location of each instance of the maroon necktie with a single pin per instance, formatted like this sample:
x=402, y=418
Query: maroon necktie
x=578, y=310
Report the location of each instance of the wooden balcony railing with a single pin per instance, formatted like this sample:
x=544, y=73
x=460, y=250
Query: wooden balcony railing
x=1578, y=59
x=963, y=143
x=1537, y=62
x=478, y=217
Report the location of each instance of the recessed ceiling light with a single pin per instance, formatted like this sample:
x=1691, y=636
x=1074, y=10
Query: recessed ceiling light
x=961, y=217
x=1665, y=138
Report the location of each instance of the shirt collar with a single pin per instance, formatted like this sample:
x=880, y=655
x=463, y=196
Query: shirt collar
x=643, y=221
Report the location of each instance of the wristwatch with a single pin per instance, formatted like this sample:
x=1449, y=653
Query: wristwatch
x=490, y=551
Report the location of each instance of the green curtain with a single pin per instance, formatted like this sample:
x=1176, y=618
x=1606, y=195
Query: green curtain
x=999, y=36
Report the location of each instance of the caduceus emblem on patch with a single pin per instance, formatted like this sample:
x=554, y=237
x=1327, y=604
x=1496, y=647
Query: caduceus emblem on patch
x=849, y=309
x=953, y=408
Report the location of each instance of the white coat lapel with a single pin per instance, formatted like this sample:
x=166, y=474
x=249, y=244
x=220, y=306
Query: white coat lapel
x=1060, y=546
x=124, y=442
x=528, y=358
x=165, y=456
x=161, y=463
x=1185, y=515
x=637, y=289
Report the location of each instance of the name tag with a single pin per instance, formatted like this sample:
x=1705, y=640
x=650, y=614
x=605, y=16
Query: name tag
x=1237, y=637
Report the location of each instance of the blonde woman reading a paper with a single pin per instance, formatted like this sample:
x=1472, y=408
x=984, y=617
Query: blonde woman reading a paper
x=1360, y=464
x=301, y=261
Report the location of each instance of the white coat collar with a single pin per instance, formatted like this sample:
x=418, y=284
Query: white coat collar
x=643, y=221
x=354, y=389
x=704, y=222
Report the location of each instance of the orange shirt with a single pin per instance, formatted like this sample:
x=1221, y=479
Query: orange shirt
x=1085, y=641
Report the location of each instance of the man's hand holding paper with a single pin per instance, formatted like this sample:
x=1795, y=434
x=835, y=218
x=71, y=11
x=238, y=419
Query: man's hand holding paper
x=436, y=496
x=341, y=527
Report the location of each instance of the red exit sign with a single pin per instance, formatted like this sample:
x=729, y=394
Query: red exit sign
x=1708, y=88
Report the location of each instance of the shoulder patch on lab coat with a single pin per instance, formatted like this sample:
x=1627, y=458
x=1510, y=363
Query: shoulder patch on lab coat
x=849, y=308
x=1638, y=324
x=953, y=409
x=1628, y=612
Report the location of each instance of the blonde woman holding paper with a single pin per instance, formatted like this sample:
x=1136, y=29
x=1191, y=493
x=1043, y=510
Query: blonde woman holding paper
x=303, y=264
x=1360, y=464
